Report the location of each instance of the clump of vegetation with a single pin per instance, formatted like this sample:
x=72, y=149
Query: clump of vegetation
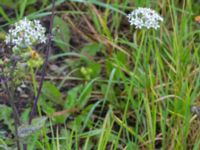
x=99, y=74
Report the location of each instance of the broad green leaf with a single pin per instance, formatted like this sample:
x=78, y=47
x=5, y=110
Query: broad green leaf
x=26, y=129
x=51, y=92
x=5, y=116
x=91, y=49
x=62, y=33
x=39, y=122
x=92, y=68
x=49, y=108
x=72, y=97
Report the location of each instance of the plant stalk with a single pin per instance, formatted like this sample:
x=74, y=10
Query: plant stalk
x=48, y=48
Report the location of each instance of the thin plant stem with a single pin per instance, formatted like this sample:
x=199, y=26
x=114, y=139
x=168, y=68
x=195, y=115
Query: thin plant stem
x=34, y=81
x=48, y=47
x=35, y=86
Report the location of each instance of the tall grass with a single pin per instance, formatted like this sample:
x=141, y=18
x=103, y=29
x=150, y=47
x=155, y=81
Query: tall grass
x=148, y=82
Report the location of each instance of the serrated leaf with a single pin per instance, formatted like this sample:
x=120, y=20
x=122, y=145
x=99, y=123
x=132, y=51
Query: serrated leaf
x=26, y=129
x=62, y=35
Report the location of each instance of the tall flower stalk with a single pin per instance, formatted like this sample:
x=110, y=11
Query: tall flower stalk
x=22, y=37
x=145, y=21
x=48, y=48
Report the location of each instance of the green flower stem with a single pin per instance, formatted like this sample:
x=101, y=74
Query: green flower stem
x=44, y=65
x=33, y=81
x=35, y=85
x=140, y=48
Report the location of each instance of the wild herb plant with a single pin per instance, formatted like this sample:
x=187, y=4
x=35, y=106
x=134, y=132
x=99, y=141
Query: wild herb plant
x=113, y=82
x=24, y=60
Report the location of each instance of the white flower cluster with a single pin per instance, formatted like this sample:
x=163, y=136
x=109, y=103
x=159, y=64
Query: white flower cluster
x=26, y=33
x=145, y=18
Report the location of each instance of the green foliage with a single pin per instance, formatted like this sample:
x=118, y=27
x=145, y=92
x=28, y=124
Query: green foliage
x=62, y=33
x=72, y=97
x=5, y=16
x=116, y=87
x=24, y=4
x=5, y=116
x=91, y=49
x=51, y=92
x=92, y=68
x=26, y=130
x=8, y=3
x=52, y=97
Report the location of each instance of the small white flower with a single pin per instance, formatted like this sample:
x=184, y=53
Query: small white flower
x=145, y=18
x=26, y=33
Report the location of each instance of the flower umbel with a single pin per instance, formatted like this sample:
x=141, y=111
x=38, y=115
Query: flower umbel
x=26, y=33
x=145, y=18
